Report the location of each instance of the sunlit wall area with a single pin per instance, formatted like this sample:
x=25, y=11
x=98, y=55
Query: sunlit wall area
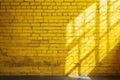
x=93, y=50
x=82, y=44
x=114, y=22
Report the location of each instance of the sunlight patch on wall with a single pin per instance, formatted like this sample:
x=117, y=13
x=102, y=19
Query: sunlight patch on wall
x=80, y=39
x=91, y=36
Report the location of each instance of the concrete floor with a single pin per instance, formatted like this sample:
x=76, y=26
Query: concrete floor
x=55, y=78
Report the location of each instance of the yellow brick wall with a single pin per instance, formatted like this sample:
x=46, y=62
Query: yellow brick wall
x=59, y=37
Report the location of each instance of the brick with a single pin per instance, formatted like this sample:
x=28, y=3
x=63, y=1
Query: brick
x=57, y=37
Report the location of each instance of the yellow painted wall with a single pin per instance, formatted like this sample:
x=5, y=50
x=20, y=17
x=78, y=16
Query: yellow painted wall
x=59, y=37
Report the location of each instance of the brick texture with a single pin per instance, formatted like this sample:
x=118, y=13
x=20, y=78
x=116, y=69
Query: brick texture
x=59, y=37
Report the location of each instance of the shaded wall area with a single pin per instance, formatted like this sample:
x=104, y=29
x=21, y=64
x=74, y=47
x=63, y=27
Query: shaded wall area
x=33, y=35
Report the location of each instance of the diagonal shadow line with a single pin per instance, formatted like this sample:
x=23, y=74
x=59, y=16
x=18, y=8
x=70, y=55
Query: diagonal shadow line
x=79, y=62
x=82, y=25
x=87, y=55
x=94, y=71
x=113, y=2
x=93, y=49
x=100, y=37
x=111, y=28
x=74, y=40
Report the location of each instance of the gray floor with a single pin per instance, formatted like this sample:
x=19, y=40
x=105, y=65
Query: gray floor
x=55, y=78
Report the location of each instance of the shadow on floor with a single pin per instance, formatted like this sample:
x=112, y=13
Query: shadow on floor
x=55, y=78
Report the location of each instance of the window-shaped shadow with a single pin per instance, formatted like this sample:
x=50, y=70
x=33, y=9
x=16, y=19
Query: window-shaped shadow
x=95, y=32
